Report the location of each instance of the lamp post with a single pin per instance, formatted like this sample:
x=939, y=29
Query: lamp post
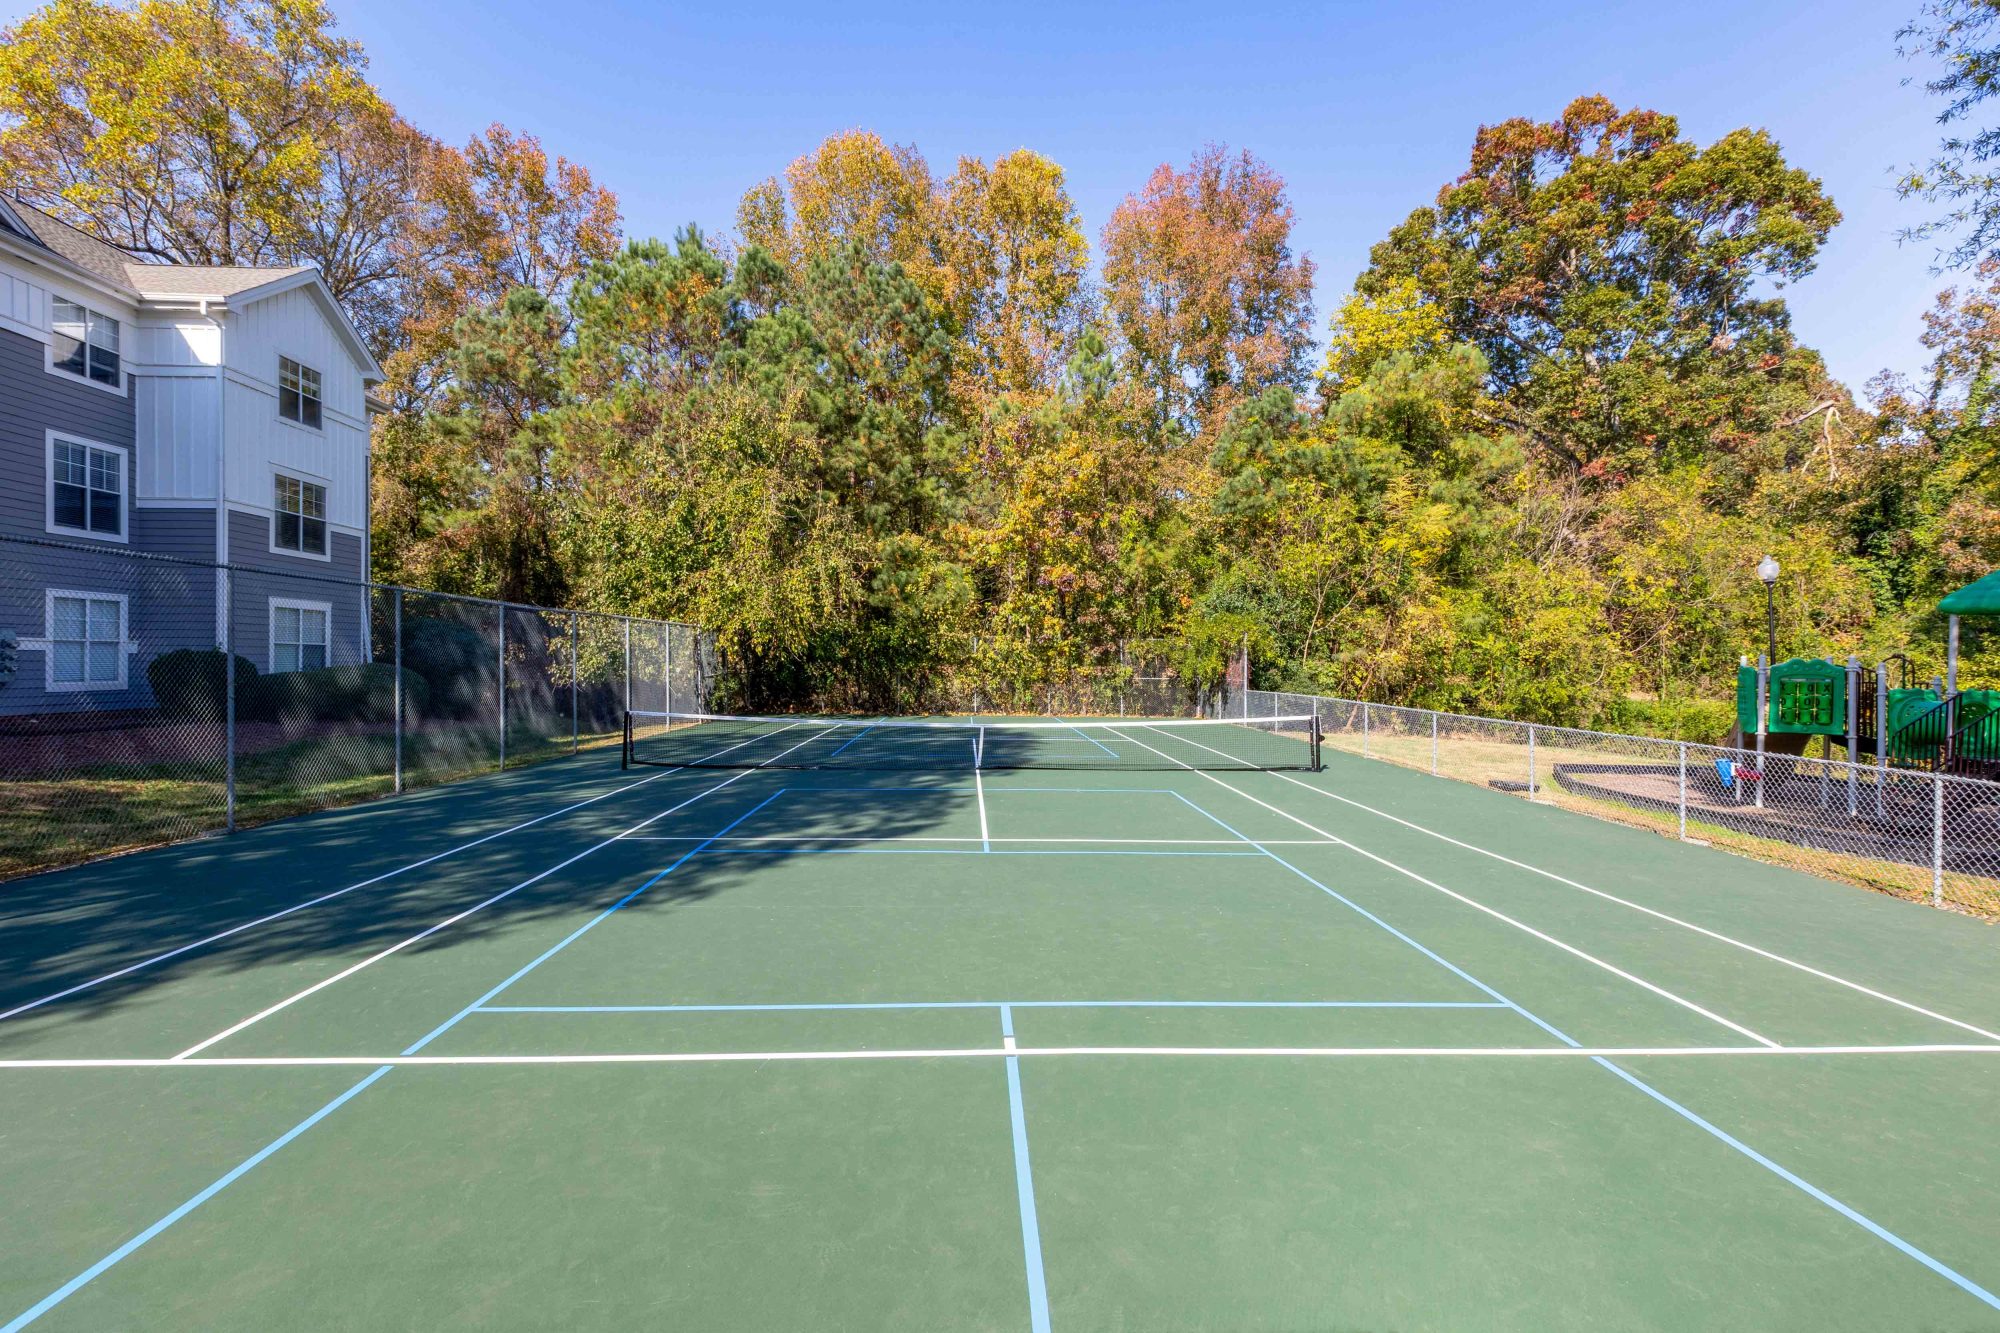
x=1767, y=570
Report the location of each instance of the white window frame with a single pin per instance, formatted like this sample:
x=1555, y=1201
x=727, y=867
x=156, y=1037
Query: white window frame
x=49, y=348
x=271, y=632
x=319, y=397
x=124, y=534
x=271, y=536
x=46, y=644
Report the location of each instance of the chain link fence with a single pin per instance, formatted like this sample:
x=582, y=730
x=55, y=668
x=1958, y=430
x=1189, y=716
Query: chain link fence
x=153, y=699
x=1927, y=836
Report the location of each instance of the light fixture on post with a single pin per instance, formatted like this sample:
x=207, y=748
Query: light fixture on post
x=1767, y=570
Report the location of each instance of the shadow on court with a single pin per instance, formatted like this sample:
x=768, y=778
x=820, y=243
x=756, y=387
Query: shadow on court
x=77, y=927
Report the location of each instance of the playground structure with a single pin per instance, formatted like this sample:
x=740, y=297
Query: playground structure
x=1935, y=727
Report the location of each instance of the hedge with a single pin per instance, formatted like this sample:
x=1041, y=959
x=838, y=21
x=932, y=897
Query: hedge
x=336, y=694
x=188, y=682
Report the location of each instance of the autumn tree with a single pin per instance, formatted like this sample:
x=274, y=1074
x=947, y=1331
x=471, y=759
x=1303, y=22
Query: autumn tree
x=853, y=189
x=201, y=132
x=1012, y=261
x=1209, y=303
x=1962, y=175
x=1614, y=275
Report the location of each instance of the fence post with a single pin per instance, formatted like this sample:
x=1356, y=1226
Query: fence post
x=1684, y=791
x=502, y=612
x=228, y=704
x=1937, y=839
x=1881, y=739
x=1763, y=719
x=628, y=662
x=397, y=615
x=1365, y=711
x=667, y=668
x=1434, y=743
x=1853, y=735
x=575, y=684
x=1531, y=761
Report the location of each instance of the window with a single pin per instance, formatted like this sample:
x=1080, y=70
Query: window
x=298, y=392
x=86, y=641
x=85, y=343
x=298, y=635
x=86, y=488
x=300, y=521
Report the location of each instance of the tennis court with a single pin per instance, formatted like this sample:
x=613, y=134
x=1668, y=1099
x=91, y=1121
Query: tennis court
x=861, y=1025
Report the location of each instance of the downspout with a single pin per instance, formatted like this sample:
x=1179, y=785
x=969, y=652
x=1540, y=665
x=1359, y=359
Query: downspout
x=221, y=480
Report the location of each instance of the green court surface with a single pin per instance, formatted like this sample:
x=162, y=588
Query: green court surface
x=1139, y=1042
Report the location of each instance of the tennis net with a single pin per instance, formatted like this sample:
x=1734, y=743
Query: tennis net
x=709, y=740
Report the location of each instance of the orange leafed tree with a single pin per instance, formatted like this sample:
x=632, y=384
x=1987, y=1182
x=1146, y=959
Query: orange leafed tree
x=1208, y=301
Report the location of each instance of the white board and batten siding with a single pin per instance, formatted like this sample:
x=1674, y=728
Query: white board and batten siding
x=172, y=367
x=293, y=324
x=24, y=303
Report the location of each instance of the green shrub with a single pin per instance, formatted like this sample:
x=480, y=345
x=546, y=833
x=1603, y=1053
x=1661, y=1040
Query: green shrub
x=336, y=694
x=457, y=660
x=188, y=682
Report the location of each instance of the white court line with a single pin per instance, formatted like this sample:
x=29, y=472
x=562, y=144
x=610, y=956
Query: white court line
x=129, y=969
x=1658, y=915
x=921, y=837
x=454, y=919
x=1495, y=913
x=979, y=787
x=991, y=1052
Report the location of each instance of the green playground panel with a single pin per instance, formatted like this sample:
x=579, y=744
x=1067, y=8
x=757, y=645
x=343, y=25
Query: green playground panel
x=1808, y=698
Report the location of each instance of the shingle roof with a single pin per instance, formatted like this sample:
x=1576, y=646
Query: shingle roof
x=80, y=248
x=163, y=280
x=118, y=266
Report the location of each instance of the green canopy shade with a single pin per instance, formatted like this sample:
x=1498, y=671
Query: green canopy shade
x=1979, y=598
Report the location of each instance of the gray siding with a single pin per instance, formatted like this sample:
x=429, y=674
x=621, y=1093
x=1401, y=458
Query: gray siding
x=185, y=534
x=259, y=574
x=33, y=401
x=168, y=606
x=165, y=605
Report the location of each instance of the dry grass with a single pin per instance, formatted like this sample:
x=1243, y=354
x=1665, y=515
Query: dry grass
x=1488, y=761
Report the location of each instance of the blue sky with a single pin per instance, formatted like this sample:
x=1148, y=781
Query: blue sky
x=1365, y=109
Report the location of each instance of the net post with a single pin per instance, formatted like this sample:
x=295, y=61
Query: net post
x=396, y=614
x=1316, y=738
x=625, y=743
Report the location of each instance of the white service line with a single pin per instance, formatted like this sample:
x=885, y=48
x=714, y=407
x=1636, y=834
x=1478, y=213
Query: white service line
x=1495, y=913
x=990, y=1052
x=457, y=917
x=129, y=969
x=1655, y=913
